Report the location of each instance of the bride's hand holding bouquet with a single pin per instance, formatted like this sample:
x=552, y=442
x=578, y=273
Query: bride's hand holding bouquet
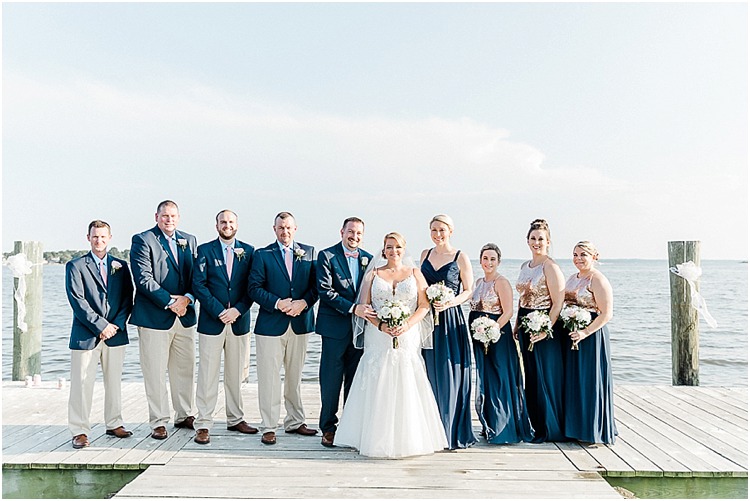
x=394, y=314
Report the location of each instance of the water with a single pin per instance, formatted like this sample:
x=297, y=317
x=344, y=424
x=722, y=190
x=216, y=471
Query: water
x=640, y=329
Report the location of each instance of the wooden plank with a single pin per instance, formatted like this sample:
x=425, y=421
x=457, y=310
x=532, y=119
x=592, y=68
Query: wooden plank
x=703, y=426
x=15, y=434
x=716, y=448
x=168, y=482
x=682, y=405
x=176, y=440
x=580, y=458
x=641, y=465
x=724, y=400
x=672, y=442
x=638, y=436
x=117, y=448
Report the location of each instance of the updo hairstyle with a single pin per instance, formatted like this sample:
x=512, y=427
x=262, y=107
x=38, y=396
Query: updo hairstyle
x=492, y=247
x=588, y=247
x=397, y=237
x=443, y=218
x=539, y=224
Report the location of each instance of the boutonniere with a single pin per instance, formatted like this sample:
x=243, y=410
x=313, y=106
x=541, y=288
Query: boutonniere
x=364, y=261
x=239, y=253
x=114, y=267
x=299, y=253
x=182, y=243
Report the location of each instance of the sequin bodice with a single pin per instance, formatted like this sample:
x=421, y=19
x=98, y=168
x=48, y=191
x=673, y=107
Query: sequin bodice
x=578, y=292
x=484, y=298
x=532, y=286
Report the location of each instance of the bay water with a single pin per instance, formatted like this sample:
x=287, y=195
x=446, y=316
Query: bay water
x=640, y=329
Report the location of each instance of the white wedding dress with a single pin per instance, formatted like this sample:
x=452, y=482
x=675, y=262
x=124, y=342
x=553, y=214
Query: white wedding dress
x=391, y=411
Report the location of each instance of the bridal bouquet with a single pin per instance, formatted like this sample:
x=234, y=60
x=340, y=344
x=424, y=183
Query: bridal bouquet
x=393, y=313
x=439, y=292
x=537, y=322
x=485, y=330
x=575, y=318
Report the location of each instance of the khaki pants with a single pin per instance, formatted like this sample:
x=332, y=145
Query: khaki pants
x=236, y=350
x=170, y=350
x=83, y=365
x=271, y=351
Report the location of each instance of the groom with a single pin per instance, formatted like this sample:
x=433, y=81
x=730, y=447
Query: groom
x=339, y=272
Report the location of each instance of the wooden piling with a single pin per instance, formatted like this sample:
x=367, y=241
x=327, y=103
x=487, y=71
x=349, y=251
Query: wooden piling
x=685, y=335
x=27, y=346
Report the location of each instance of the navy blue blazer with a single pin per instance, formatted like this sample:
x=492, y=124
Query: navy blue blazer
x=216, y=291
x=96, y=305
x=337, y=291
x=157, y=276
x=270, y=282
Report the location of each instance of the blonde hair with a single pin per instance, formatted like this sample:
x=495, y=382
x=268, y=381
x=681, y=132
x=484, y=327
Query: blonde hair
x=397, y=237
x=443, y=218
x=589, y=247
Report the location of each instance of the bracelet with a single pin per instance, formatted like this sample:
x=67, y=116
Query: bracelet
x=380, y=324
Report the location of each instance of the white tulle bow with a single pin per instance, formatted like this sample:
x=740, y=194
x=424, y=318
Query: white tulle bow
x=20, y=267
x=690, y=272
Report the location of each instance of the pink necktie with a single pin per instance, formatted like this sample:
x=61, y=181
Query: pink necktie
x=229, y=260
x=103, y=271
x=354, y=254
x=288, y=261
x=173, y=246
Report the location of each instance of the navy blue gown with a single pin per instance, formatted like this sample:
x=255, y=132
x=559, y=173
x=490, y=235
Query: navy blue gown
x=500, y=401
x=449, y=362
x=544, y=373
x=589, y=399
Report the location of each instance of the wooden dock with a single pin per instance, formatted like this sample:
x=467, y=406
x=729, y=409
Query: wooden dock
x=663, y=431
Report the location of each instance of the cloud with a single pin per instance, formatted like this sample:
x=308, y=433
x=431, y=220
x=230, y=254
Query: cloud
x=214, y=149
x=191, y=126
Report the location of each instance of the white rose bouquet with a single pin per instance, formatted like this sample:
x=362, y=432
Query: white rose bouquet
x=393, y=313
x=575, y=318
x=438, y=292
x=537, y=322
x=485, y=330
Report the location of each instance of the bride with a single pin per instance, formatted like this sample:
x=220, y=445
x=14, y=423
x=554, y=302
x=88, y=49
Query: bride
x=391, y=411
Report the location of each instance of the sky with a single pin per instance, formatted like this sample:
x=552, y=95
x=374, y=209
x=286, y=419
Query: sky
x=624, y=124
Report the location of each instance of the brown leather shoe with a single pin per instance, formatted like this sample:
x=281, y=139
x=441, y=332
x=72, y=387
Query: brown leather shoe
x=304, y=430
x=186, y=423
x=202, y=437
x=327, y=440
x=159, y=433
x=243, y=427
x=268, y=438
x=120, y=432
x=80, y=441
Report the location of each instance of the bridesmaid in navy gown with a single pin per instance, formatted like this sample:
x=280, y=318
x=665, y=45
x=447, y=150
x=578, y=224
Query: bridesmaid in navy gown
x=449, y=362
x=589, y=406
x=541, y=287
x=500, y=401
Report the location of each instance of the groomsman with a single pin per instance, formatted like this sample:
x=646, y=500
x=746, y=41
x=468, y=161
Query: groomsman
x=339, y=271
x=282, y=282
x=220, y=285
x=100, y=291
x=164, y=311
